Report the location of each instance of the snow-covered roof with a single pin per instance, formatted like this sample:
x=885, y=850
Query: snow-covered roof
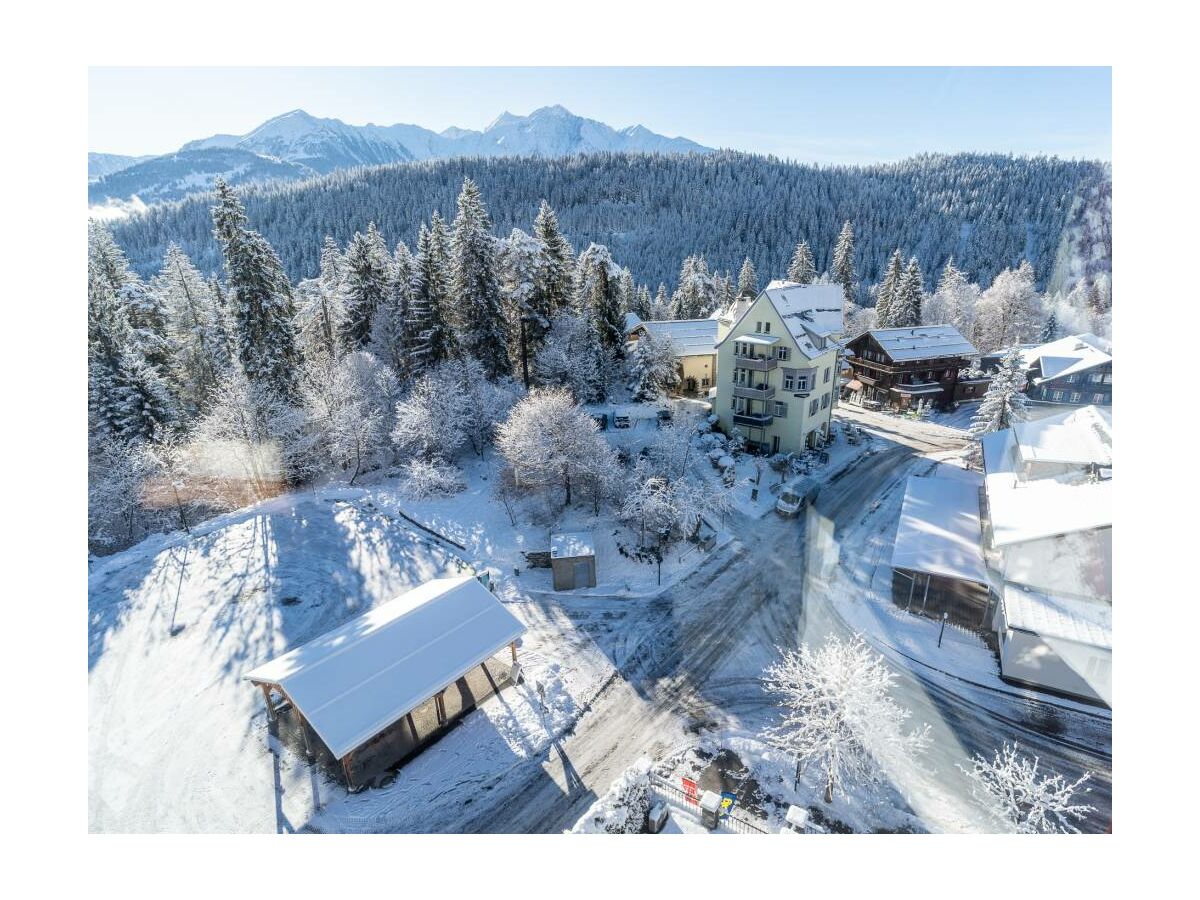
x=632, y=321
x=355, y=681
x=816, y=308
x=922, y=342
x=1068, y=356
x=939, y=530
x=1065, y=618
x=691, y=337
x=572, y=543
x=1027, y=508
x=1081, y=437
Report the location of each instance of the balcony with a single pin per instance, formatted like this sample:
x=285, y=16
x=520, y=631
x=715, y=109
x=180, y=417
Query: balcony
x=762, y=392
x=753, y=420
x=756, y=363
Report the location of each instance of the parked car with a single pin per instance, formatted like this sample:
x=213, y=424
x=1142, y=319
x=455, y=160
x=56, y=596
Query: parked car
x=873, y=405
x=620, y=421
x=789, y=504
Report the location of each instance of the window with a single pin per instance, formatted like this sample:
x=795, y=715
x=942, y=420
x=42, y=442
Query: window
x=813, y=407
x=783, y=353
x=789, y=381
x=781, y=409
x=758, y=327
x=827, y=374
x=802, y=383
x=1108, y=377
x=824, y=401
x=1099, y=398
x=1096, y=377
x=1076, y=396
x=766, y=327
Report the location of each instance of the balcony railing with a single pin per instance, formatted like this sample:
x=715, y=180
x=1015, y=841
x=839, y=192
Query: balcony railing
x=762, y=392
x=753, y=420
x=756, y=363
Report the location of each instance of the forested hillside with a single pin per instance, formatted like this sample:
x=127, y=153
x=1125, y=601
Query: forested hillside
x=988, y=212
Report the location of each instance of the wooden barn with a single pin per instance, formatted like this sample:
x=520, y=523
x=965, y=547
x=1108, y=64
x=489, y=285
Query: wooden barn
x=384, y=684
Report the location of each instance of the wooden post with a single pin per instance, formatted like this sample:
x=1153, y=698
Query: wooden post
x=513, y=647
x=304, y=731
x=440, y=705
x=347, y=762
x=266, y=689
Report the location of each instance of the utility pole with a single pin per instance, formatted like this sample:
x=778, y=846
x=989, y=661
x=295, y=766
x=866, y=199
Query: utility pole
x=524, y=352
x=945, y=616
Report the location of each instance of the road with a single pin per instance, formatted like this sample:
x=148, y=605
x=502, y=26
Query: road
x=691, y=657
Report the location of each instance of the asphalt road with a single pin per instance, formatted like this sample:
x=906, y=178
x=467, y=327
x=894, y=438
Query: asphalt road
x=691, y=657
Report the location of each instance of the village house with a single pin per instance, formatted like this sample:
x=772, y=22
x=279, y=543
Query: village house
x=777, y=365
x=386, y=683
x=694, y=341
x=901, y=367
x=1027, y=559
x=1075, y=370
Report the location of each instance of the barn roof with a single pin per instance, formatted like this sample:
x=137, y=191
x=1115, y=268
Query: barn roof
x=922, y=342
x=353, y=682
x=939, y=531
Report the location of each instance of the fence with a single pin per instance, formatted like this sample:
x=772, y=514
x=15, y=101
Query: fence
x=731, y=821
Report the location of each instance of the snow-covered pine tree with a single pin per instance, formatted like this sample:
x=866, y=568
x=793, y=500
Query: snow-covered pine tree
x=698, y=293
x=395, y=333
x=365, y=286
x=886, y=292
x=431, y=308
x=747, y=286
x=802, y=269
x=1003, y=406
x=571, y=358
x=1049, y=329
x=478, y=319
x=643, y=305
x=654, y=368
x=954, y=300
x=527, y=307
x=661, y=309
x=843, y=263
x=607, y=317
x=905, y=309
x=260, y=299
x=559, y=262
x=193, y=327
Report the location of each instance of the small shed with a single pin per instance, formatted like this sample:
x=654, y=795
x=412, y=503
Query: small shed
x=386, y=683
x=573, y=560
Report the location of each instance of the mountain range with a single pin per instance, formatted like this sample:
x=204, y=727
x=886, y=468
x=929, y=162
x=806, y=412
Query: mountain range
x=296, y=145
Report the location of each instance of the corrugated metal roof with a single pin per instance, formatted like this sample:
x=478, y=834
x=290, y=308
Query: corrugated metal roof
x=691, y=337
x=355, y=681
x=939, y=531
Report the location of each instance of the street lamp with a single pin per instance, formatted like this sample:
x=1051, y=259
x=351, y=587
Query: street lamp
x=945, y=616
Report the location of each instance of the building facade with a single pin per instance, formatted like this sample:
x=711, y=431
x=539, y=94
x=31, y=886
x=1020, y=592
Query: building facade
x=1075, y=370
x=777, y=364
x=900, y=367
x=694, y=341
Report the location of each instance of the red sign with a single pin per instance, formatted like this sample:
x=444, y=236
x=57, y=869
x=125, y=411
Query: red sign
x=689, y=790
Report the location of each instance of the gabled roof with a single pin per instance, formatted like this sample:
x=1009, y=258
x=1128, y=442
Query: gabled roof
x=1067, y=356
x=355, y=681
x=691, y=337
x=921, y=342
x=632, y=321
x=1082, y=437
x=812, y=314
x=939, y=531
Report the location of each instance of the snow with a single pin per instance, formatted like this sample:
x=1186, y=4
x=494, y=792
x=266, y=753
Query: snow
x=922, y=342
x=360, y=678
x=815, y=308
x=1068, y=356
x=939, y=530
x=1067, y=618
x=571, y=544
x=691, y=337
x=1027, y=509
x=1082, y=437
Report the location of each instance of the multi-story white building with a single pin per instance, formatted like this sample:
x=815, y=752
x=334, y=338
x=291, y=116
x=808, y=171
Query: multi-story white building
x=777, y=366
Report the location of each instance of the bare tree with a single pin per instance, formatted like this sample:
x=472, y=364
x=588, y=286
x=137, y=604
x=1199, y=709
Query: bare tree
x=1023, y=799
x=838, y=713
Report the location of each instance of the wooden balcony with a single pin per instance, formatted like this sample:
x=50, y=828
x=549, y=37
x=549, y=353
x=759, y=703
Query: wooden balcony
x=763, y=392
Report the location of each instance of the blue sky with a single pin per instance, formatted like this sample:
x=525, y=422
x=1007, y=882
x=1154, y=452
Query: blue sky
x=829, y=115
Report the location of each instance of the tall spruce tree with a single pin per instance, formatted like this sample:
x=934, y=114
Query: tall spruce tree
x=431, y=292
x=1049, y=329
x=1003, y=406
x=843, y=263
x=905, y=309
x=479, y=319
x=365, y=286
x=559, y=262
x=260, y=300
x=747, y=286
x=886, y=293
x=802, y=269
x=193, y=327
x=395, y=335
